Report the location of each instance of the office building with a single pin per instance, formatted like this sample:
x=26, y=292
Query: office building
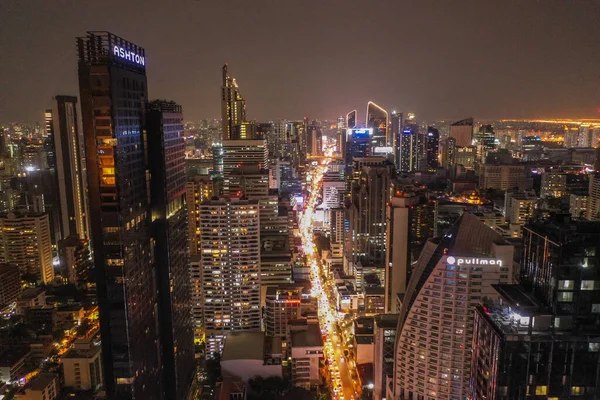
x=541, y=340
x=396, y=126
x=502, y=177
x=251, y=354
x=409, y=148
x=233, y=106
x=282, y=303
x=377, y=119
x=314, y=139
x=411, y=220
x=519, y=206
x=230, y=263
x=197, y=190
x=249, y=182
x=82, y=366
x=197, y=295
x=462, y=132
x=113, y=93
x=554, y=184
x=76, y=262
x=166, y=149
x=432, y=149
x=243, y=153
x=485, y=140
x=10, y=283
x=578, y=203
x=25, y=241
x=70, y=167
x=357, y=144
x=449, y=154
x=435, y=327
x=386, y=326
x=246, y=130
x=275, y=258
x=466, y=156
x=351, y=119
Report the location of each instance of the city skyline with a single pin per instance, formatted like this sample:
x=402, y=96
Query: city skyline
x=325, y=64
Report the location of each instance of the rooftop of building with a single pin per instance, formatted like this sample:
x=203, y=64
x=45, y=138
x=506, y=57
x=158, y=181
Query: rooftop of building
x=557, y=226
x=244, y=346
x=230, y=387
x=82, y=353
x=309, y=337
x=386, y=321
x=9, y=355
x=31, y=293
x=283, y=288
x=41, y=381
x=374, y=291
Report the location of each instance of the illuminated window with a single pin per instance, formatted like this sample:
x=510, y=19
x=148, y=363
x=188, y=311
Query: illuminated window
x=541, y=390
x=565, y=296
x=577, y=390
x=566, y=285
x=589, y=285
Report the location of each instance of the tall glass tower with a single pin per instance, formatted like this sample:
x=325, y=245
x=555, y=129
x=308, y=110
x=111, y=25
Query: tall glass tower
x=377, y=119
x=233, y=106
x=113, y=92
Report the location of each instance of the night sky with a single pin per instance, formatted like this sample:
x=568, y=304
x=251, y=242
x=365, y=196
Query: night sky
x=320, y=58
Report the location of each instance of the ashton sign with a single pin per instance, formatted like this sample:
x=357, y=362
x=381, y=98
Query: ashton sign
x=129, y=55
x=473, y=261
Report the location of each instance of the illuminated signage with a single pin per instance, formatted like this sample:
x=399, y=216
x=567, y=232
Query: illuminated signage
x=363, y=133
x=129, y=56
x=473, y=261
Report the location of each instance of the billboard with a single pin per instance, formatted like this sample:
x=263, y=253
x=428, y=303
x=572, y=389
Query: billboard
x=362, y=133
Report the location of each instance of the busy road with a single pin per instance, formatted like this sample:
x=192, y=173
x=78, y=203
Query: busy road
x=343, y=377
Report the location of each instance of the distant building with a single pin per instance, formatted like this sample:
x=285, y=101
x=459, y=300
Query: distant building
x=377, y=119
x=12, y=362
x=592, y=212
x=249, y=354
x=578, y=204
x=30, y=297
x=233, y=105
x=519, y=206
x=502, y=177
x=25, y=241
x=244, y=153
x=42, y=318
x=462, y=132
x=432, y=149
x=198, y=189
x=554, y=184
x=76, y=260
x=10, y=283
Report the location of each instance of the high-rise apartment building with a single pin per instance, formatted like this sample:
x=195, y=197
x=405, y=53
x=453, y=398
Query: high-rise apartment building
x=542, y=340
x=113, y=93
x=10, y=283
x=25, y=241
x=198, y=189
x=314, y=139
x=462, y=131
x=70, y=167
x=233, y=106
x=449, y=154
x=166, y=149
x=435, y=327
x=230, y=263
x=502, y=177
x=377, y=119
x=76, y=262
x=592, y=212
x=384, y=334
x=411, y=220
x=244, y=153
x=396, y=126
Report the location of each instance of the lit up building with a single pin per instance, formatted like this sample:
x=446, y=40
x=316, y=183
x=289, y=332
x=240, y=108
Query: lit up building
x=453, y=275
x=357, y=144
x=351, y=119
x=25, y=241
x=230, y=267
x=113, y=94
x=554, y=184
x=409, y=148
x=462, y=132
x=411, y=220
x=396, y=126
x=432, y=149
x=541, y=339
x=592, y=213
x=449, y=154
x=197, y=190
x=241, y=153
x=233, y=106
x=502, y=177
x=485, y=140
x=377, y=119
x=466, y=156
x=166, y=149
x=76, y=260
x=70, y=167
x=314, y=139
x=283, y=303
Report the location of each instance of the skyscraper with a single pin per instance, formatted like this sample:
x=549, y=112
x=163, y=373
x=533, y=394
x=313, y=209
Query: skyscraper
x=377, y=119
x=25, y=241
x=409, y=148
x=113, y=92
x=70, y=167
x=233, y=106
x=230, y=263
x=432, y=149
x=166, y=149
x=396, y=126
x=351, y=119
x=411, y=220
x=462, y=131
x=452, y=276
